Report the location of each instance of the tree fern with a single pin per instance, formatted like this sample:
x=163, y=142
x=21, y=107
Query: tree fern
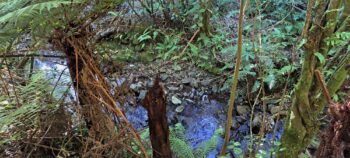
x=29, y=12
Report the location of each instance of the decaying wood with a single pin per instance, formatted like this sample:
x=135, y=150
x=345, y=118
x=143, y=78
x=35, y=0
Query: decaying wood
x=155, y=103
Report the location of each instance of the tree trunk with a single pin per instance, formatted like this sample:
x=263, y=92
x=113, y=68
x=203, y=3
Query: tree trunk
x=155, y=103
x=302, y=124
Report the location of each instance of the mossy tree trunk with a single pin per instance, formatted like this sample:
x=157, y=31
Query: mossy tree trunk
x=205, y=16
x=323, y=19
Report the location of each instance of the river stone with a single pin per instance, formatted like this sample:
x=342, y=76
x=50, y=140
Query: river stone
x=142, y=94
x=164, y=77
x=136, y=87
x=175, y=100
x=172, y=88
x=190, y=101
x=194, y=83
x=192, y=74
x=215, y=88
x=186, y=80
x=243, y=110
x=180, y=108
x=5, y=102
x=206, y=82
x=257, y=120
x=235, y=124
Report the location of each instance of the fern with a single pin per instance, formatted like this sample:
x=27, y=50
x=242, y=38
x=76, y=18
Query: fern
x=29, y=12
x=180, y=148
x=206, y=147
x=34, y=96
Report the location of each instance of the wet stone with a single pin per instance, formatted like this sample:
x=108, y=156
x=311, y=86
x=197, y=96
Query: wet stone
x=186, y=81
x=136, y=87
x=243, y=110
x=175, y=100
x=194, y=84
x=180, y=108
x=172, y=88
x=142, y=94
x=164, y=77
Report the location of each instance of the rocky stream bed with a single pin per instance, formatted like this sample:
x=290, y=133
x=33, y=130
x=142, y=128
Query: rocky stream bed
x=194, y=98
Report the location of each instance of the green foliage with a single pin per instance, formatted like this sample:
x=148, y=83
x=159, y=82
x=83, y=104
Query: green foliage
x=236, y=147
x=338, y=38
x=206, y=147
x=41, y=17
x=33, y=98
x=169, y=46
x=180, y=148
x=179, y=145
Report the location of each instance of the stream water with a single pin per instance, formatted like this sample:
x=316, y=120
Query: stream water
x=200, y=119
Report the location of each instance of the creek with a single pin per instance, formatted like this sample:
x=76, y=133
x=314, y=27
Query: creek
x=200, y=118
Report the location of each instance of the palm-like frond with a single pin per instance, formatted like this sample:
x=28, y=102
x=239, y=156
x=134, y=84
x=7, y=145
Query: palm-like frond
x=29, y=12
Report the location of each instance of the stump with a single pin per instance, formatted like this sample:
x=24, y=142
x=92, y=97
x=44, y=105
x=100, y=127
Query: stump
x=155, y=104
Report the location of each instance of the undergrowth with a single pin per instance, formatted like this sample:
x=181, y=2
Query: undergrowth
x=180, y=146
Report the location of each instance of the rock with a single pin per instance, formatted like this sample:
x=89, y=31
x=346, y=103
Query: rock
x=186, y=80
x=192, y=93
x=172, y=88
x=149, y=83
x=235, y=124
x=177, y=67
x=205, y=99
x=200, y=93
x=241, y=119
x=142, y=94
x=175, y=100
x=192, y=74
x=186, y=94
x=206, y=82
x=162, y=70
x=190, y=101
x=180, y=108
x=257, y=120
x=275, y=109
x=215, y=88
x=5, y=102
x=164, y=77
x=243, y=110
x=136, y=87
x=194, y=83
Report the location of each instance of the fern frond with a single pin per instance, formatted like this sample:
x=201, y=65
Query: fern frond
x=34, y=97
x=180, y=148
x=29, y=12
x=206, y=147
